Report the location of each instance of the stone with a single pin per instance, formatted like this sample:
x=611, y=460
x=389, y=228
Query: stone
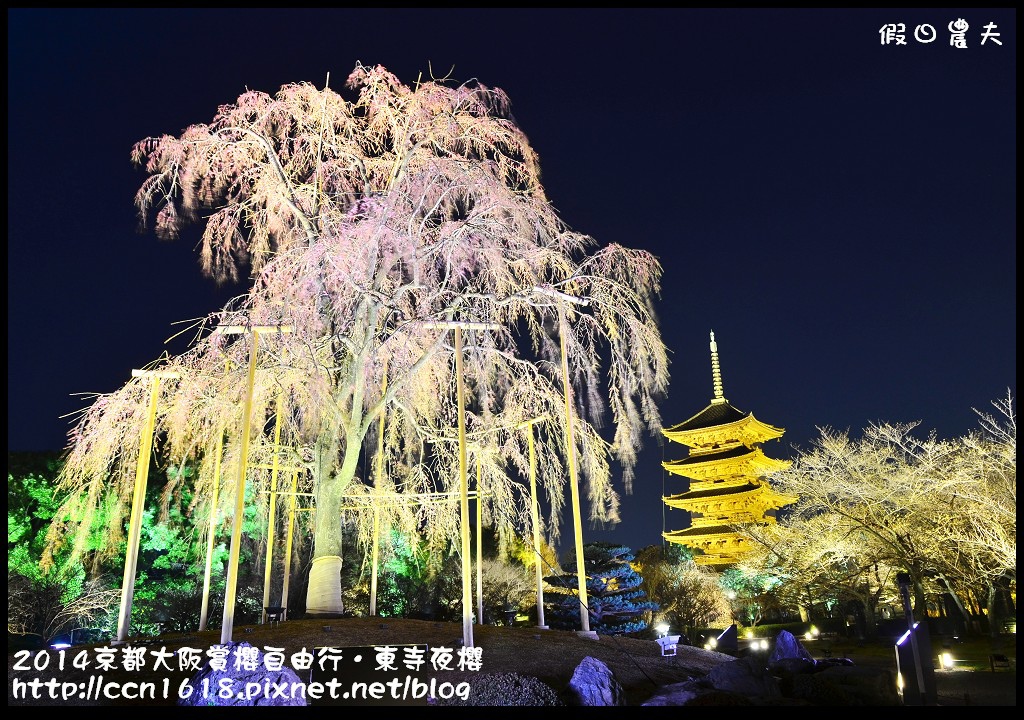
x=728, y=641
x=679, y=693
x=593, y=684
x=746, y=676
x=788, y=667
x=787, y=646
x=832, y=662
x=505, y=690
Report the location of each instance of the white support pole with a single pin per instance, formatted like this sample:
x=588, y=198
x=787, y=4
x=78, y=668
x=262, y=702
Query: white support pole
x=467, y=574
x=374, y=560
x=131, y=557
x=268, y=566
x=228, y=622
x=467, y=592
x=535, y=516
x=570, y=443
x=211, y=534
x=230, y=591
x=288, y=545
x=479, y=547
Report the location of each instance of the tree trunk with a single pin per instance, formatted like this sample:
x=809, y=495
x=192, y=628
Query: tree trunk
x=870, y=618
x=995, y=620
x=961, y=619
x=920, y=601
x=871, y=610
x=323, y=595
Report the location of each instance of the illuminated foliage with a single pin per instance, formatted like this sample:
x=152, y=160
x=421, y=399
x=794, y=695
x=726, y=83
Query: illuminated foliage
x=820, y=563
x=507, y=586
x=45, y=602
x=752, y=595
x=68, y=593
x=689, y=596
x=413, y=581
x=172, y=546
x=361, y=222
x=941, y=510
x=524, y=553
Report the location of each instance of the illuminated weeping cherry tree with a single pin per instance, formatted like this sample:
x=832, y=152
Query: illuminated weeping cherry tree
x=365, y=226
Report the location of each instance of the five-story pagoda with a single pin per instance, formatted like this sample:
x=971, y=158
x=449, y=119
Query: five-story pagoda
x=726, y=469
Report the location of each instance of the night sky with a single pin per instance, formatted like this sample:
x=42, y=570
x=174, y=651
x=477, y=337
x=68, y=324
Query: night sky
x=840, y=212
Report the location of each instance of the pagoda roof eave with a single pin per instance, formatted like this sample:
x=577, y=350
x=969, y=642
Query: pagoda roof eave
x=762, y=488
x=721, y=418
x=734, y=455
x=722, y=413
x=694, y=533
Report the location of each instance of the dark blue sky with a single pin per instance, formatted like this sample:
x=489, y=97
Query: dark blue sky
x=840, y=212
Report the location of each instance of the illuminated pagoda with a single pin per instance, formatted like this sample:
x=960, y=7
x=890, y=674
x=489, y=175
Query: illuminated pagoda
x=726, y=469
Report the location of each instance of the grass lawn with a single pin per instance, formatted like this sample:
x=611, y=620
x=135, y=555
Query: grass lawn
x=970, y=653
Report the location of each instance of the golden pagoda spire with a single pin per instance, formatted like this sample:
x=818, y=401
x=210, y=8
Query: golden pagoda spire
x=726, y=472
x=716, y=373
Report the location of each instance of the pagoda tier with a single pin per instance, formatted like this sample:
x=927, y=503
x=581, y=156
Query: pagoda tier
x=750, y=503
x=720, y=545
x=720, y=424
x=725, y=469
x=734, y=465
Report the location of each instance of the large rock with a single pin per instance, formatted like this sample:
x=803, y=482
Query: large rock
x=746, y=676
x=790, y=681
x=245, y=685
x=787, y=647
x=594, y=684
x=728, y=641
x=679, y=693
x=788, y=667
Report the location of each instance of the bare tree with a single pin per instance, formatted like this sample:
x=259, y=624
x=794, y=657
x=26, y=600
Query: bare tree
x=985, y=498
x=823, y=561
x=689, y=596
x=507, y=586
x=980, y=533
x=363, y=225
x=941, y=510
x=49, y=605
x=882, y=485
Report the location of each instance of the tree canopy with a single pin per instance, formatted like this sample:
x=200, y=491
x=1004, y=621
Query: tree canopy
x=892, y=501
x=365, y=226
